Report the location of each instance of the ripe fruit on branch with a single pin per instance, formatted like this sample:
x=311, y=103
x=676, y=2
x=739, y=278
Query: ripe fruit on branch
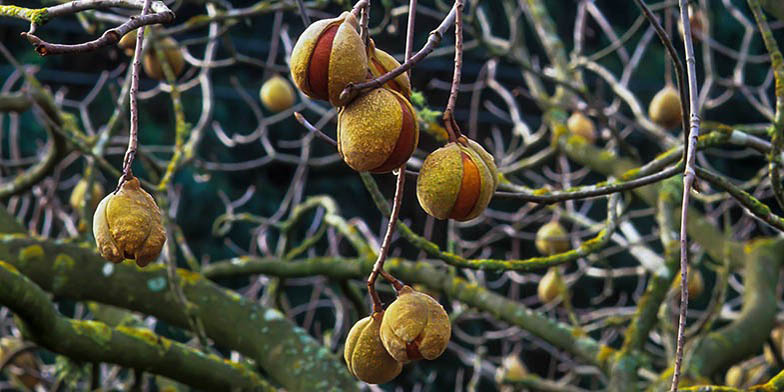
x=550, y=286
x=171, y=50
x=552, y=238
x=381, y=62
x=665, y=108
x=327, y=57
x=277, y=94
x=580, y=125
x=128, y=225
x=415, y=326
x=80, y=191
x=365, y=356
x=457, y=181
x=377, y=132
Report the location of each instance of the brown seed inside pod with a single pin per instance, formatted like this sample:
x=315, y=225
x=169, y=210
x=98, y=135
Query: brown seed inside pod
x=318, y=70
x=469, y=189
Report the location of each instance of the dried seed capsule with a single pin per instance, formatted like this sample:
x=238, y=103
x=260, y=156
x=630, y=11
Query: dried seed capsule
x=665, y=108
x=551, y=238
x=327, y=57
x=511, y=369
x=128, y=225
x=457, y=181
x=365, y=355
x=580, y=125
x=171, y=49
x=549, y=286
x=377, y=132
x=381, y=62
x=24, y=369
x=80, y=190
x=276, y=94
x=415, y=326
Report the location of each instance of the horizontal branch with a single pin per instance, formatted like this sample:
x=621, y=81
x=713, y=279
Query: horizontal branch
x=284, y=351
x=510, y=311
x=134, y=348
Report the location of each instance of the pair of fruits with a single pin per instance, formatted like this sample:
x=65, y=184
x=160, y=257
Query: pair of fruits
x=378, y=130
x=128, y=225
x=414, y=326
x=551, y=239
x=150, y=63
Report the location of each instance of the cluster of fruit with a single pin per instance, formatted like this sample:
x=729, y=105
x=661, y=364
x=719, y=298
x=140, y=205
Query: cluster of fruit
x=414, y=326
x=378, y=130
x=152, y=67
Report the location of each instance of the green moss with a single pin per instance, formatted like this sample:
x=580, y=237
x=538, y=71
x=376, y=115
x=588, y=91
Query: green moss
x=32, y=253
x=99, y=332
x=63, y=262
x=189, y=277
x=161, y=344
x=9, y=267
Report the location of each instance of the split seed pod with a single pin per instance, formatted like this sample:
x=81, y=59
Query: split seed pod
x=415, y=326
x=277, y=94
x=552, y=238
x=365, y=355
x=665, y=108
x=327, y=57
x=171, y=50
x=381, y=62
x=377, y=132
x=80, y=191
x=457, y=181
x=580, y=125
x=128, y=225
x=549, y=287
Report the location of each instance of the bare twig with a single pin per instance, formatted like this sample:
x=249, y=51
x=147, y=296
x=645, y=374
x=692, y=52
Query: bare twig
x=688, y=181
x=449, y=120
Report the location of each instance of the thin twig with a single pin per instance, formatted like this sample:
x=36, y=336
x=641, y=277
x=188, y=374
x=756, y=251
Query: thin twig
x=688, y=181
x=432, y=42
x=303, y=12
x=449, y=120
x=410, y=31
x=133, y=137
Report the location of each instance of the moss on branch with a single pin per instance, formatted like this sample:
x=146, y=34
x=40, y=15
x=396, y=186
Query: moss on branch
x=135, y=348
x=286, y=352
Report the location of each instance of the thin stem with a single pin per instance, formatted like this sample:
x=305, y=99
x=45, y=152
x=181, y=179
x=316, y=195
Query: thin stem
x=378, y=267
x=449, y=121
x=303, y=12
x=410, y=31
x=364, y=22
x=432, y=42
x=688, y=181
x=133, y=137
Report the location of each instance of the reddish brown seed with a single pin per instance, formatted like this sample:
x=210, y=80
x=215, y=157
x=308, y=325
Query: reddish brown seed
x=392, y=84
x=405, y=142
x=469, y=189
x=412, y=350
x=318, y=68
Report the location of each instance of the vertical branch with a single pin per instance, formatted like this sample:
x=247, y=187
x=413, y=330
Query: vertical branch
x=303, y=12
x=449, y=120
x=688, y=180
x=410, y=32
x=133, y=136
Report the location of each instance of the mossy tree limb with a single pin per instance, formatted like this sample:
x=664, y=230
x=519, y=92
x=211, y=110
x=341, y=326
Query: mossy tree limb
x=558, y=334
x=286, y=352
x=135, y=348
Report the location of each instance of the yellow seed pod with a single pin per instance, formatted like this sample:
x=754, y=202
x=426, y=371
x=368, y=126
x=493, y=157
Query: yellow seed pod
x=128, y=43
x=552, y=238
x=80, y=190
x=511, y=369
x=128, y=225
x=24, y=369
x=696, y=283
x=171, y=49
x=377, y=132
x=580, y=125
x=415, y=326
x=550, y=286
x=277, y=94
x=665, y=108
x=327, y=57
x=457, y=181
x=381, y=62
x=365, y=356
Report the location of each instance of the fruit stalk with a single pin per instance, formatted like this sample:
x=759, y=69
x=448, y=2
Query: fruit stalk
x=451, y=125
x=133, y=136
